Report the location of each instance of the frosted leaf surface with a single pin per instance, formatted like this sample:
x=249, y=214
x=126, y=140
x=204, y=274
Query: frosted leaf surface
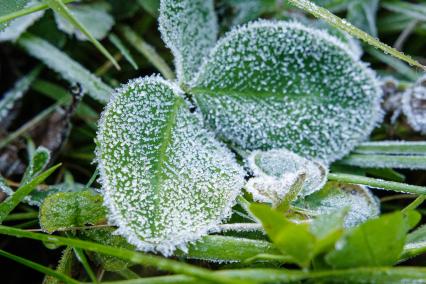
x=37, y=196
x=335, y=196
x=166, y=180
x=414, y=105
x=283, y=85
x=39, y=160
x=93, y=16
x=64, y=65
x=189, y=28
x=16, y=27
x=10, y=6
x=11, y=97
x=284, y=164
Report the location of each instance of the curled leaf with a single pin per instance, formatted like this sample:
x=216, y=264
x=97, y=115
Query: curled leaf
x=283, y=85
x=166, y=181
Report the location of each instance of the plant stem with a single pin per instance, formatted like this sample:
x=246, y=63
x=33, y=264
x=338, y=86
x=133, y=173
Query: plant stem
x=43, y=269
x=26, y=11
x=378, y=183
x=133, y=256
x=416, y=203
x=21, y=216
x=385, y=161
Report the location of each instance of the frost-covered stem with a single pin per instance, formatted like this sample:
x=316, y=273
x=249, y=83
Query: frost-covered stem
x=392, y=147
x=378, y=183
x=43, y=269
x=339, y=23
x=133, y=256
x=148, y=51
x=264, y=275
x=26, y=11
x=385, y=161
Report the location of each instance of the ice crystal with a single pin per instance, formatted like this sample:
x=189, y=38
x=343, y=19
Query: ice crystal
x=283, y=85
x=335, y=196
x=414, y=105
x=93, y=16
x=64, y=65
x=189, y=29
x=166, y=180
x=20, y=25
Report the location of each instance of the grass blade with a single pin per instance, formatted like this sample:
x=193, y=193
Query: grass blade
x=385, y=161
x=60, y=8
x=43, y=269
x=378, y=183
x=83, y=260
x=12, y=201
x=339, y=23
x=392, y=147
x=123, y=49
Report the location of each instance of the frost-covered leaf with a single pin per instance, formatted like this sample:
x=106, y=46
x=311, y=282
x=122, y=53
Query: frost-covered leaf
x=283, y=85
x=93, y=16
x=281, y=163
x=414, y=105
x=336, y=196
x=189, y=29
x=4, y=187
x=20, y=25
x=362, y=14
x=64, y=65
x=38, y=162
x=166, y=180
x=71, y=209
x=11, y=97
x=10, y=6
x=105, y=236
x=37, y=196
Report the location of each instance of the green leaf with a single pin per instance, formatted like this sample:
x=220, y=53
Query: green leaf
x=189, y=28
x=11, y=97
x=377, y=242
x=283, y=164
x=166, y=180
x=16, y=27
x=294, y=240
x=64, y=266
x=328, y=228
x=10, y=6
x=335, y=196
x=12, y=201
x=59, y=7
x=151, y=6
x=254, y=91
x=333, y=20
x=64, y=65
x=65, y=210
x=418, y=235
x=94, y=16
x=38, y=162
x=362, y=14
x=105, y=236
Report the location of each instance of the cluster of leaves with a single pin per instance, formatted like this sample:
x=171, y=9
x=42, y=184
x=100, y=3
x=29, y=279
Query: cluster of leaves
x=273, y=111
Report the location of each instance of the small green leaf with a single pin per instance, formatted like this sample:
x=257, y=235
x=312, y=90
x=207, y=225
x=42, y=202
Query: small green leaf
x=166, y=180
x=64, y=65
x=336, y=196
x=37, y=196
x=377, y=242
x=255, y=92
x=65, y=210
x=151, y=6
x=38, y=162
x=59, y=7
x=294, y=240
x=189, y=28
x=94, y=16
x=64, y=266
x=328, y=228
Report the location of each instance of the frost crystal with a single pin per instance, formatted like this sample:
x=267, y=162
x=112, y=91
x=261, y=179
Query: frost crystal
x=414, y=105
x=335, y=196
x=93, y=16
x=189, y=28
x=166, y=180
x=283, y=85
x=64, y=65
x=279, y=168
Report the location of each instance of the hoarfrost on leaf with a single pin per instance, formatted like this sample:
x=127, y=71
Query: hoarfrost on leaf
x=414, y=105
x=166, y=180
x=93, y=16
x=283, y=85
x=335, y=196
x=189, y=28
